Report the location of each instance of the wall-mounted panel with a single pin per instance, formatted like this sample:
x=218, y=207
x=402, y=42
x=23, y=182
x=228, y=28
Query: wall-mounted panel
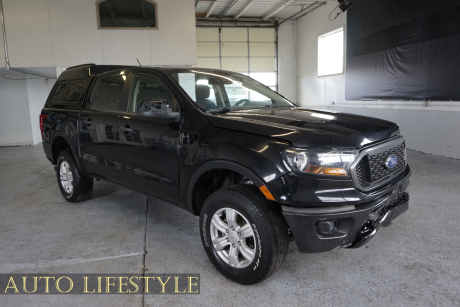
x=403, y=50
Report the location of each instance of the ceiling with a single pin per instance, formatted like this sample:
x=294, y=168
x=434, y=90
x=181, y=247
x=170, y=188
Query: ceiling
x=264, y=9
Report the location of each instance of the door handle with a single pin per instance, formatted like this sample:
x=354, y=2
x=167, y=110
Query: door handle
x=126, y=129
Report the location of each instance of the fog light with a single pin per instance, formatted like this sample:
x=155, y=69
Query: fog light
x=325, y=228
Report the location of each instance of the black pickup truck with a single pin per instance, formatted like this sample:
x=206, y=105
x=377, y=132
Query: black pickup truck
x=259, y=170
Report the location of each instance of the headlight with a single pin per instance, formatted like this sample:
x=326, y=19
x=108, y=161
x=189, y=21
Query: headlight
x=321, y=162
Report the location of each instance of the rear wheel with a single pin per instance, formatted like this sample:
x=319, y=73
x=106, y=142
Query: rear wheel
x=243, y=234
x=73, y=185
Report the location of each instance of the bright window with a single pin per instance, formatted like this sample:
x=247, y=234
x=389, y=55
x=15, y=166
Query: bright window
x=330, y=53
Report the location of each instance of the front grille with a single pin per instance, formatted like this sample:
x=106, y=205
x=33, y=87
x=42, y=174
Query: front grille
x=362, y=173
x=370, y=171
x=377, y=163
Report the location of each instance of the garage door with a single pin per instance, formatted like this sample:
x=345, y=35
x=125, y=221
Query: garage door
x=251, y=51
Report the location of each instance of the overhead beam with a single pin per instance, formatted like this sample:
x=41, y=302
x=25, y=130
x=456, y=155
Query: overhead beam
x=320, y=4
x=276, y=9
x=228, y=8
x=245, y=7
x=305, y=10
x=210, y=9
x=196, y=3
x=229, y=21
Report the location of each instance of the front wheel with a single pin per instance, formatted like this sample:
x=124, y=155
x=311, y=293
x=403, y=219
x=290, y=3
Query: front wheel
x=243, y=234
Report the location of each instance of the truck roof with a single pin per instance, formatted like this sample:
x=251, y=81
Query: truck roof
x=85, y=71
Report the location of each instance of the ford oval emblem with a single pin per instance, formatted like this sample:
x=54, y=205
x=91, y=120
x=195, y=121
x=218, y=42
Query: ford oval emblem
x=391, y=162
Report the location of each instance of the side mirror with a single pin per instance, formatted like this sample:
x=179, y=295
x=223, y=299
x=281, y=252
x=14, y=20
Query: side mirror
x=160, y=109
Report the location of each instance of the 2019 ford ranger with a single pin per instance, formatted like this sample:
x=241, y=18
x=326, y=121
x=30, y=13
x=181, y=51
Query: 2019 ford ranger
x=259, y=170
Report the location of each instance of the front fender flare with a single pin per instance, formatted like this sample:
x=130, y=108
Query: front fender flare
x=220, y=165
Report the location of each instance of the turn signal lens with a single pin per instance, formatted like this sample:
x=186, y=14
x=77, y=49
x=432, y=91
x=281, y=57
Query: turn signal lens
x=326, y=170
x=266, y=192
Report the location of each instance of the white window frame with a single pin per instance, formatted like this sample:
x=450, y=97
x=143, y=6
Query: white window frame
x=320, y=38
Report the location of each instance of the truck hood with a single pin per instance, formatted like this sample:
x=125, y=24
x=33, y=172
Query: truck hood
x=308, y=128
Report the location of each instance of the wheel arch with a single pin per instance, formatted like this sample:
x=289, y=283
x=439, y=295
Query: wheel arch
x=61, y=142
x=192, y=202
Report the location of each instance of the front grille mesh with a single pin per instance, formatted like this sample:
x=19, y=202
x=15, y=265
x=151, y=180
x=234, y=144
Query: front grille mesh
x=371, y=170
x=377, y=163
x=361, y=172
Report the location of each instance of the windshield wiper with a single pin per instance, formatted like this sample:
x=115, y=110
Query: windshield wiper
x=223, y=110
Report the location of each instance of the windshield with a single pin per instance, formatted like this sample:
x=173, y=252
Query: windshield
x=218, y=90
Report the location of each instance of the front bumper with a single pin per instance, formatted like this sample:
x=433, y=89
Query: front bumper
x=348, y=225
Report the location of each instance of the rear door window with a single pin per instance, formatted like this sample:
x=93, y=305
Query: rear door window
x=71, y=91
x=60, y=93
x=75, y=91
x=107, y=96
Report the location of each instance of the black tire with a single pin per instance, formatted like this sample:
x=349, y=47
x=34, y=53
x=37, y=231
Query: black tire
x=269, y=229
x=82, y=186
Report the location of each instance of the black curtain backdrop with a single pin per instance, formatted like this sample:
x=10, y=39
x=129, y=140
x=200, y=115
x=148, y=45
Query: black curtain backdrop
x=403, y=50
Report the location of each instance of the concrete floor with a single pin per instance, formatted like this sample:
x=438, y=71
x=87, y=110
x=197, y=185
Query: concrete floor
x=413, y=262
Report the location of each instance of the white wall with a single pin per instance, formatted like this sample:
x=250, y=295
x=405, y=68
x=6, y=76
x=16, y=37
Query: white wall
x=38, y=90
x=287, y=60
x=63, y=33
x=50, y=33
x=432, y=129
x=15, y=126
x=311, y=89
x=21, y=102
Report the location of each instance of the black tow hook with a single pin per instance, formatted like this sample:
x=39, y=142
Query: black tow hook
x=365, y=234
x=370, y=228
